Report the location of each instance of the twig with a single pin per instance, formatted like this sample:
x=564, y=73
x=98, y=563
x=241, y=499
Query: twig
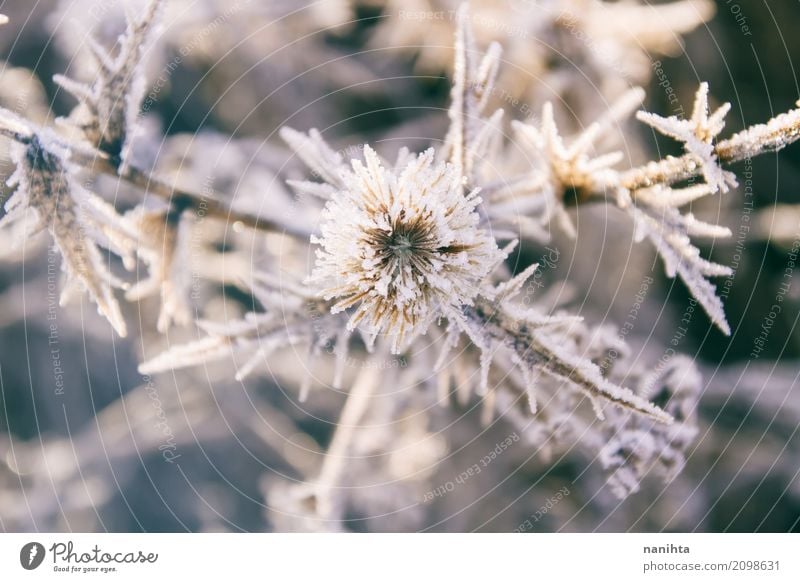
x=352, y=413
x=754, y=141
x=101, y=163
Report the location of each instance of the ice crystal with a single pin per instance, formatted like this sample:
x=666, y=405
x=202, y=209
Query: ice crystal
x=655, y=209
x=541, y=343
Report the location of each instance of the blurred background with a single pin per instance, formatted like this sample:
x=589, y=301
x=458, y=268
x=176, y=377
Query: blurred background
x=86, y=441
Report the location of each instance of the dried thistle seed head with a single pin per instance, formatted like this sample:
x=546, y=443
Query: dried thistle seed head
x=404, y=246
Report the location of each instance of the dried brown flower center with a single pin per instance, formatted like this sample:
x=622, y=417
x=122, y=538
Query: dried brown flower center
x=405, y=244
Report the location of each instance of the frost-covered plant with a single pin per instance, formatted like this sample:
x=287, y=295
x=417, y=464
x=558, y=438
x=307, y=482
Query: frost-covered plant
x=405, y=247
x=109, y=107
x=77, y=220
x=412, y=255
x=264, y=45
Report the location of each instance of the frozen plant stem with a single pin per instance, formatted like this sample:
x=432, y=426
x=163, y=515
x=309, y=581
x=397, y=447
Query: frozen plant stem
x=754, y=141
x=101, y=163
x=190, y=200
x=336, y=458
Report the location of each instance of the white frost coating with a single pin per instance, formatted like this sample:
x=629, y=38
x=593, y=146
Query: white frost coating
x=558, y=167
x=108, y=108
x=201, y=351
x=669, y=231
x=664, y=197
x=655, y=209
x=774, y=135
x=637, y=448
x=469, y=136
x=588, y=378
x=77, y=221
x=403, y=247
x=323, y=161
x=697, y=135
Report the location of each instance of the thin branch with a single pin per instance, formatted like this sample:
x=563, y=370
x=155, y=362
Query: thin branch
x=101, y=163
x=336, y=458
x=187, y=200
x=772, y=136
